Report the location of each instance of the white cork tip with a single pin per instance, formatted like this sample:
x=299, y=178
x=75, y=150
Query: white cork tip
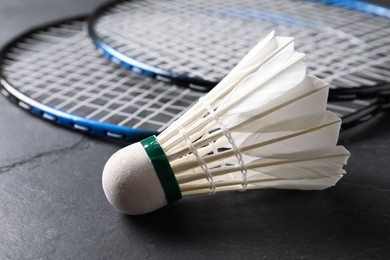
x=130, y=182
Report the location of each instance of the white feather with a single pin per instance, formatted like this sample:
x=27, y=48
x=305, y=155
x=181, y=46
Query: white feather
x=305, y=136
x=309, y=96
x=265, y=50
x=264, y=86
x=301, y=184
x=308, y=168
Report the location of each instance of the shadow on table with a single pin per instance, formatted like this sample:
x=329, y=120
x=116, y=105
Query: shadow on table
x=270, y=220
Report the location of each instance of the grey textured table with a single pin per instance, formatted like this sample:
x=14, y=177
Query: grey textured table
x=52, y=205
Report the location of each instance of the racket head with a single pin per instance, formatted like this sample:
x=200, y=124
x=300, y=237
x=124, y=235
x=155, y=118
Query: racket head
x=187, y=44
x=55, y=73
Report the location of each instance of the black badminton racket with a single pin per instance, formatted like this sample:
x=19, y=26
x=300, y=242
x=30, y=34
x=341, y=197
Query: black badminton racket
x=197, y=43
x=55, y=73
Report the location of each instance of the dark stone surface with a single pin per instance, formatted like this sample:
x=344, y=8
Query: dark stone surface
x=52, y=205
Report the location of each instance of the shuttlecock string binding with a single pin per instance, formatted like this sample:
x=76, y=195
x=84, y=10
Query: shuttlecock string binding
x=199, y=159
x=229, y=137
x=263, y=126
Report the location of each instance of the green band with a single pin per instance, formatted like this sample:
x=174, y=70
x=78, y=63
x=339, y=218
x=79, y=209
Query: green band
x=162, y=168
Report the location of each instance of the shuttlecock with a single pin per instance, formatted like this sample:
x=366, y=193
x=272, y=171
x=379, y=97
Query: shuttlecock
x=263, y=126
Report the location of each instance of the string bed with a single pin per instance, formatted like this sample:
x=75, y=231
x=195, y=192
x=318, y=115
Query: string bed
x=205, y=39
